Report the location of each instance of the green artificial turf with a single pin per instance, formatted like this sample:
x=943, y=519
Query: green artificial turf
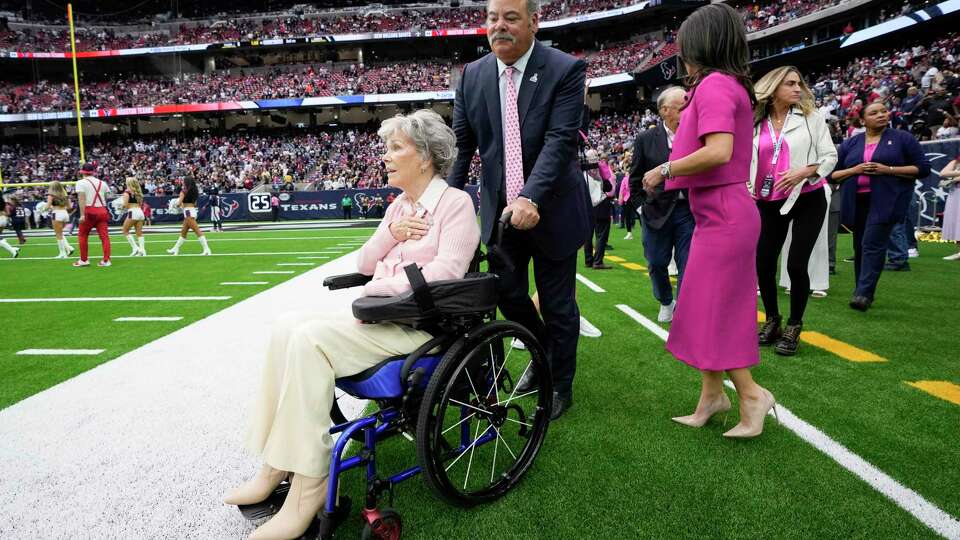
x=90, y=325
x=614, y=466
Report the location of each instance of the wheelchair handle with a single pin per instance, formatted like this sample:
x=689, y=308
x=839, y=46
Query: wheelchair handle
x=493, y=248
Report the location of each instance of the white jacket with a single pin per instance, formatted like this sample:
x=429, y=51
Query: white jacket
x=808, y=139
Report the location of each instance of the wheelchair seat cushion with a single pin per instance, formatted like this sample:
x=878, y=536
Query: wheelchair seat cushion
x=382, y=381
x=475, y=293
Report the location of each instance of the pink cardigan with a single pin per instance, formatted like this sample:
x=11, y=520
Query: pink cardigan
x=624, y=189
x=444, y=253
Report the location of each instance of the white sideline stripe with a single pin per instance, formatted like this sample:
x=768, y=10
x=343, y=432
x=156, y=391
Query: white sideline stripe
x=926, y=512
x=590, y=285
x=60, y=352
x=313, y=257
x=217, y=239
x=276, y=272
x=146, y=319
x=261, y=254
x=114, y=299
x=296, y=264
x=244, y=282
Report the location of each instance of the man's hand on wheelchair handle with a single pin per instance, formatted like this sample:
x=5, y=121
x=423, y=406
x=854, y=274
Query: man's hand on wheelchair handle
x=409, y=228
x=525, y=214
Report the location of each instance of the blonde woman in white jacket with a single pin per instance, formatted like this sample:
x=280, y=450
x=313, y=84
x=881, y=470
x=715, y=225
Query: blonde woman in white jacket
x=792, y=153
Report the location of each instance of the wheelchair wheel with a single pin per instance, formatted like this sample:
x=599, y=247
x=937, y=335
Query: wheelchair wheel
x=476, y=435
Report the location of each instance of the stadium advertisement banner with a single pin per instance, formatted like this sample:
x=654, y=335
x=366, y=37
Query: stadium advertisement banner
x=256, y=206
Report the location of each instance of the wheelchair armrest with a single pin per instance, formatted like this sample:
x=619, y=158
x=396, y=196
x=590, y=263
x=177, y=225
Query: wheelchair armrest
x=346, y=281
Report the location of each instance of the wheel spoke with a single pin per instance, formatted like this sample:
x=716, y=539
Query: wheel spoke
x=473, y=448
x=467, y=449
x=497, y=431
x=521, y=396
x=458, y=423
x=467, y=405
x=493, y=468
x=519, y=422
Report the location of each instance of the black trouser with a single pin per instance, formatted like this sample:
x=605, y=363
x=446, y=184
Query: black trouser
x=347, y=212
x=18, y=225
x=629, y=215
x=276, y=213
x=555, y=279
x=601, y=228
x=807, y=217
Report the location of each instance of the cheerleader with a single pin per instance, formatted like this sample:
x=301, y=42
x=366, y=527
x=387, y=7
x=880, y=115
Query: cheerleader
x=132, y=199
x=59, y=204
x=188, y=202
x=4, y=221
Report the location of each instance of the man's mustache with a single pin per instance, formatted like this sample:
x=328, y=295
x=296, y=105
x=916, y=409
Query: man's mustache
x=502, y=35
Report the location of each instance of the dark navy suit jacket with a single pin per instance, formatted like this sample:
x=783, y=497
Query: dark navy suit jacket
x=549, y=104
x=889, y=195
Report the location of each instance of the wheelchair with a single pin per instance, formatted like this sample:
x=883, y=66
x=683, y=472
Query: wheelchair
x=455, y=397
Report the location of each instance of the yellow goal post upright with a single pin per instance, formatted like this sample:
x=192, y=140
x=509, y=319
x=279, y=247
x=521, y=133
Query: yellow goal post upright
x=76, y=99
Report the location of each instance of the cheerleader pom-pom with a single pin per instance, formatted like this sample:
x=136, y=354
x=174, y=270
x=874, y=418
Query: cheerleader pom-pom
x=117, y=204
x=173, y=206
x=41, y=208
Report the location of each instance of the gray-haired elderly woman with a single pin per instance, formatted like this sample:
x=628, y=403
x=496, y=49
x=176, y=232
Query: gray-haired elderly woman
x=430, y=224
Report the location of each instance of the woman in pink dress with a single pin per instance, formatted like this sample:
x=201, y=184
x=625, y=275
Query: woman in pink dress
x=714, y=325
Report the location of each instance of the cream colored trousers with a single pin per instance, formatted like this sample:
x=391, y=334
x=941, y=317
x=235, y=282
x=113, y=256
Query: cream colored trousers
x=307, y=352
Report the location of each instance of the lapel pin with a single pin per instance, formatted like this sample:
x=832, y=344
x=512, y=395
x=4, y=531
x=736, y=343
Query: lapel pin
x=534, y=78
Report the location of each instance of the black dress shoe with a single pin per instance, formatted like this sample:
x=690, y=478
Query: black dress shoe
x=528, y=383
x=602, y=267
x=561, y=402
x=905, y=267
x=860, y=303
x=770, y=331
x=789, y=341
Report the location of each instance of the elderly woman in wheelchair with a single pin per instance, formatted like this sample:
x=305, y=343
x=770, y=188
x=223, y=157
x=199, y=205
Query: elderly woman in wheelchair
x=418, y=296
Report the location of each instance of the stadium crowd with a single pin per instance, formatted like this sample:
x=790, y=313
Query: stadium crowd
x=919, y=84
x=205, y=88
x=56, y=39
x=344, y=158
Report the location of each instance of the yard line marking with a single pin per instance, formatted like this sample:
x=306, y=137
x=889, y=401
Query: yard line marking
x=944, y=390
x=839, y=348
x=313, y=257
x=221, y=239
x=260, y=254
x=645, y=322
x=276, y=272
x=926, y=512
x=146, y=319
x=633, y=266
x=296, y=264
x=115, y=299
x=614, y=258
x=590, y=285
x=244, y=282
x=835, y=346
x=60, y=352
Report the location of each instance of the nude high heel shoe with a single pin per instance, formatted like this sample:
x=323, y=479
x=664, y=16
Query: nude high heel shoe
x=755, y=416
x=303, y=502
x=699, y=420
x=258, y=488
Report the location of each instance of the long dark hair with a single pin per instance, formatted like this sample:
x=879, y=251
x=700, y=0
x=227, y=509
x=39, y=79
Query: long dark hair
x=714, y=40
x=190, y=188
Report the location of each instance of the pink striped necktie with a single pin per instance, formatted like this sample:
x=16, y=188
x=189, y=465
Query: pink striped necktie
x=513, y=153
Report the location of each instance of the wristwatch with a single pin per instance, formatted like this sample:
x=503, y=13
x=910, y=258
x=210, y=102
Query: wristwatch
x=529, y=200
x=665, y=170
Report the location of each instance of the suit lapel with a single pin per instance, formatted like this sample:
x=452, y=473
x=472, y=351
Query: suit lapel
x=530, y=84
x=661, y=141
x=491, y=91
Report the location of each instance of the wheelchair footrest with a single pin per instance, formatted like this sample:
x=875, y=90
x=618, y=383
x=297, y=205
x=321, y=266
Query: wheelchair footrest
x=268, y=507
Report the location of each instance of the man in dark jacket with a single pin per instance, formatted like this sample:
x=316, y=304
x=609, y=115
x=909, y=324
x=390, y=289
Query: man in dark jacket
x=665, y=215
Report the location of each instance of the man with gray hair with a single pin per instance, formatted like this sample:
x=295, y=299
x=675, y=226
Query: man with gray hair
x=520, y=106
x=665, y=215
